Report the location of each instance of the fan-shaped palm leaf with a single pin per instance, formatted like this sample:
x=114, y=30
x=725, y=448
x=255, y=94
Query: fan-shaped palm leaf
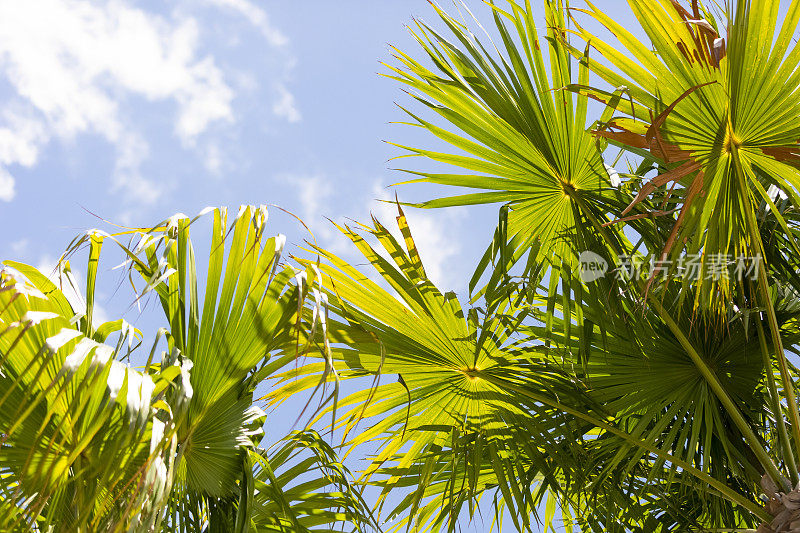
x=439, y=398
x=68, y=409
x=707, y=114
x=702, y=114
x=473, y=412
x=644, y=376
x=66, y=418
x=519, y=134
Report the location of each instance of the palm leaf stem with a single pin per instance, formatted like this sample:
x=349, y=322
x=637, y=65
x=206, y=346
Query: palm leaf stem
x=783, y=434
x=713, y=382
x=786, y=379
x=725, y=490
x=763, y=285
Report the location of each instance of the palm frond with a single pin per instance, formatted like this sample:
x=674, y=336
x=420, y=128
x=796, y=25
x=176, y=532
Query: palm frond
x=69, y=409
x=518, y=132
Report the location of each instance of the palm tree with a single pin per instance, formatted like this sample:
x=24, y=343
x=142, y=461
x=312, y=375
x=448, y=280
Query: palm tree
x=657, y=403
x=90, y=444
x=613, y=401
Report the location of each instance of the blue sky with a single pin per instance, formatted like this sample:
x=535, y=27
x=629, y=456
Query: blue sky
x=134, y=110
x=132, y=113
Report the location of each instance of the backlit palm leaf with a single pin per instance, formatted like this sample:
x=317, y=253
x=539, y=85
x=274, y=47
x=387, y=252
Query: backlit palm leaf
x=445, y=425
x=516, y=130
x=68, y=409
x=717, y=111
x=302, y=487
x=226, y=334
x=65, y=417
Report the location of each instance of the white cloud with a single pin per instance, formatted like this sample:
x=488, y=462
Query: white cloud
x=315, y=194
x=257, y=16
x=435, y=232
x=132, y=150
x=20, y=138
x=285, y=106
x=7, y=191
x=20, y=248
x=213, y=159
x=73, y=63
x=207, y=99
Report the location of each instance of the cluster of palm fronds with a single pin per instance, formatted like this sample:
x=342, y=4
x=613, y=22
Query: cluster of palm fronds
x=90, y=443
x=654, y=403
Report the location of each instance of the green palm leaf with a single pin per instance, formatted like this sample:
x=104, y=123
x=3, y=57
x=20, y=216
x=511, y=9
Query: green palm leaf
x=441, y=426
x=302, y=486
x=68, y=410
x=702, y=114
x=182, y=434
x=517, y=131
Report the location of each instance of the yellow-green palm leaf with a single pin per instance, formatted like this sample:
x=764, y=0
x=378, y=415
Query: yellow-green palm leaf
x=69, y=409
x=519, y=135
x=427, y=393
x=717, y=110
